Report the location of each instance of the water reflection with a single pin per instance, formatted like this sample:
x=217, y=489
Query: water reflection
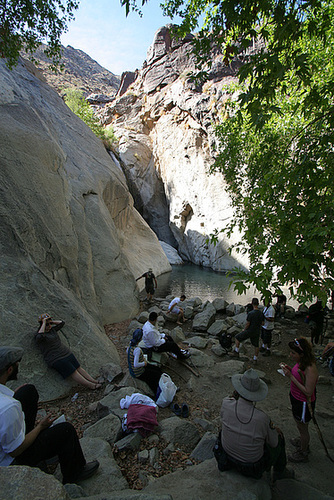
x=195, y=281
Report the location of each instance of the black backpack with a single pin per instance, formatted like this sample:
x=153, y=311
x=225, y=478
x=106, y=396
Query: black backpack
x=225, y=340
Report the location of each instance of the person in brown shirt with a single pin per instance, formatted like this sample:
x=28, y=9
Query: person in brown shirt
x=57, y=355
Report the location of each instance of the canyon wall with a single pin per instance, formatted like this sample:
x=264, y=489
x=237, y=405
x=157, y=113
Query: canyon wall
x=165, y=125
x=71, y=241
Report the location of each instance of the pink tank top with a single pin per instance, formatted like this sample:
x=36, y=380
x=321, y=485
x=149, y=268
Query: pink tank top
x=295, y=391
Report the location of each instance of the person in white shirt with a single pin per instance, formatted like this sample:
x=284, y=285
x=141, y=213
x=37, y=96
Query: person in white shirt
x=174, y=308
x=267, y=327
x=23, y=443
x=159, y=342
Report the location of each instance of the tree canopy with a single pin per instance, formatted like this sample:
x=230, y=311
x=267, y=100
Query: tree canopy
x=276, y=139
x=25, y=24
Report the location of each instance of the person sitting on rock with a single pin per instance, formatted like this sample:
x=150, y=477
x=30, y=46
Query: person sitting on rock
x=250, y=442
x=159, y=342
x=57, y=355
x=23, y=443
x=150, y=281
x=138, y=365
x=174, y=308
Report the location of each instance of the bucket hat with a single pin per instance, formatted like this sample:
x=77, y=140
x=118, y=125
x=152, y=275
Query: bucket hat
x=249, y=385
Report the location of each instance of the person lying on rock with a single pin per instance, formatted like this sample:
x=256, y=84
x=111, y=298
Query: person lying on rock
x=174, y=308
x=138, y=365
x=250, y=443
x=159, y=342
x=23, y=443
x=57, y=355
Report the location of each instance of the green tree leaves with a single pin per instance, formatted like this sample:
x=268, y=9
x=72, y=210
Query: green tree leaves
x=25, y=24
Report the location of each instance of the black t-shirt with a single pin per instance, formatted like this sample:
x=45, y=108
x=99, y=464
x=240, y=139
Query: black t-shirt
x=149, y=278
x=255, y=319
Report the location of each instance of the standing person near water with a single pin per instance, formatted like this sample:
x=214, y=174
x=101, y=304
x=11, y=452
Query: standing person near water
x=267, y=327
x=251, y=331
x=57, y=355
x=304, y=378
x=150, y=281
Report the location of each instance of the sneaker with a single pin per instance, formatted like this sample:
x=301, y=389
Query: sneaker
x=173, y=355
x=88, y=470
x=298, y=456
x=262, y=349
x=185, y=354
x=285, y=474
x=267, y=353
x=234, y=354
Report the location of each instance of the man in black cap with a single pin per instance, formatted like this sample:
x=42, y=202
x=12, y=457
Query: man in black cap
x=250, y=442
x=23, y=443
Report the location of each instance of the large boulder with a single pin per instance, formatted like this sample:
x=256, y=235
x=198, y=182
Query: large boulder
x=27, y=483
x=71, y=241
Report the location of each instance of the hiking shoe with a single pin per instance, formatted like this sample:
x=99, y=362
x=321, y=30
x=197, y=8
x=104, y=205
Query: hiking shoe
x=88, y=470
x=298, y=456
x=234, y=354
x=285, y=474
x=267, y=353
x=185, y=354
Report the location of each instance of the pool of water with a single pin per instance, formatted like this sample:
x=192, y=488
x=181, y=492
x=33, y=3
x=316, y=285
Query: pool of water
x=195, y=281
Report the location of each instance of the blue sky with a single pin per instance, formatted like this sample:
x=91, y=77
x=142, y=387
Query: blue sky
x=117, y=42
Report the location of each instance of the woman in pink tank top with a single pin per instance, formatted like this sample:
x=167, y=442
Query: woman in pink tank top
x=304, y=377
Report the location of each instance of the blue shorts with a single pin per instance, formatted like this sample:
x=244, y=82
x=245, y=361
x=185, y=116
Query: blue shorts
x=66, y=366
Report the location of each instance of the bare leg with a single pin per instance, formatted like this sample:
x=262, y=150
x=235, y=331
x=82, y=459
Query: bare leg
x=256, y=351
x=304, y=436
x=86, y=375
x=77, y=377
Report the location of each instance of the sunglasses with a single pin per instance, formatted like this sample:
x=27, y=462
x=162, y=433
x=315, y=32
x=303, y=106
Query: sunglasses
x=297, y=343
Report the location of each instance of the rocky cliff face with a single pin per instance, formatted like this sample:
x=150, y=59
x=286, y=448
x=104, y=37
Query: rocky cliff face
x=165, y=127
x=79, y=71
x=71, y=240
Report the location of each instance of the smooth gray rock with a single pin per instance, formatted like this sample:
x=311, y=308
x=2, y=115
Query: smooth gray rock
x=171, y=254
x=230, y=309
x=179, y=432
x=130, y=442
x=204, y=449
x=113, y=399
x=205, y=481
x=219, y=304
x=69, y=232
x=128, y=495
x=218, y=327
x=202, y=321
x=108, y=428
x=28, y=483
x=290, y=489
x=197, y=342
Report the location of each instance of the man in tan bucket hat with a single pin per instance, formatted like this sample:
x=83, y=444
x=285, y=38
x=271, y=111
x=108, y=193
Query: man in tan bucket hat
x=250, y=442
